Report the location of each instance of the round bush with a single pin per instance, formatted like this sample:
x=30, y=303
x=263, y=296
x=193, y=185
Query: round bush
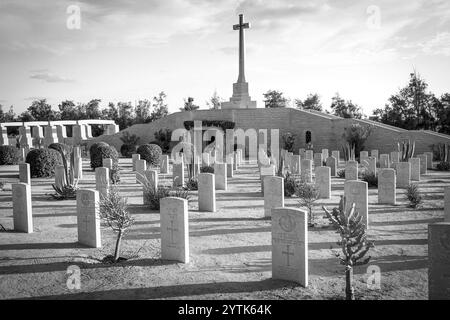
x=43, y=162
x=103, y=151
x=150, y=153
x=93, y=148
x=9, y=155
x=127, y=150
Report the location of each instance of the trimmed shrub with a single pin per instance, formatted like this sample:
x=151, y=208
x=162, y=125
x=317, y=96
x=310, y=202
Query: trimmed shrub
x=103, y=151
x=291, y=184
x=150, y=153
x=127, y=150
x=371, y=179
x=9, y=155
x=207, y=169
x=43, y=162
x=443, y=166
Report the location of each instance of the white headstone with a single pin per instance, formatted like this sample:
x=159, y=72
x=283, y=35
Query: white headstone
x=306, y=174
x=164, y=168
x=429, y=160
x=135, y=157
x=384, y=161
x=395, y=156
x=265, y=171
x=290, y=245
x=325, y=154
x=22, y=210
x=108, y=163
x=423, y=163
x=351, y=170
x=318, y=159
x=336, y=154
x=415, y=169
x=102, y=181
x=88, y=220
x=178, y=173
x=309, y=155
x=403, y=170
x=220, y=173
x=141, y=167
x=24, y=173
x=374, y=153
x=387, y=186
x=332, y=164
x=370, y=164
x=363, y=155
x=323, y=182
x=439, y=261
x=357, y=192
x=174, y=229
x=273, y=194
x=206, y=192
x=78, y=163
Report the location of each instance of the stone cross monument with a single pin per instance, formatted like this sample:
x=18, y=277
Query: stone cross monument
x=240, y=98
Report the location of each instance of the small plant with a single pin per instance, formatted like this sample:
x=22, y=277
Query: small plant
x=308, y=193
x=207, y=169
x=341, y=173
x=114, y=211
x=288, y=141
x=353, y=241
x=291, y=183
x=443, y=166
x=9, y=155
x=413, y=195
x=369, y=177
x=192, y=184
x=150, y=153
x=164, y=137
x=130, y=139
x=406, y=150
x=153, y=197
x=180, y=193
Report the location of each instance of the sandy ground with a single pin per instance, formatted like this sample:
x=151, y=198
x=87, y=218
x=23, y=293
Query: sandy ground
x=230, y=249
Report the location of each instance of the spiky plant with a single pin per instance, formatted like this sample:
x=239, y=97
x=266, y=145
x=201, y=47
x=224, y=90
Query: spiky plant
x=348, y=152
x=353, y=241
x=114, y=211
x=406, y=150
x=66, y=189
x=413, y=195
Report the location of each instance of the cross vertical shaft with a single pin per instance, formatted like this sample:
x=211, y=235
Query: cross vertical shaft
x=241, y=26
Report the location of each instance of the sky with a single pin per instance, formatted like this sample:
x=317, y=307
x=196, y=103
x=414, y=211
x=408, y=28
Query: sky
x=129, y=50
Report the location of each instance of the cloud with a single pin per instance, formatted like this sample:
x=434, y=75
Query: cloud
x=439, y=45
x=49, y=77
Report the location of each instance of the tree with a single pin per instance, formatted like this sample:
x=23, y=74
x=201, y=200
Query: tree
x=356, y=135
x=93, y=109
x=114, y=211
x=68, y=110
x=142, y=111
x=312, y=102
x=40, y=110
x=126, y=117
x=345, y=109
x=214, y=102
x=274, y=99
x=160, y=109
x=189, y=105
x=111, y=112
x=353, y=241
x=8, y=116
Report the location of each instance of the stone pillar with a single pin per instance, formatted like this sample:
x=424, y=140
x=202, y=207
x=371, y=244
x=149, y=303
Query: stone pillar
x=357, y=192
x=78, y=163
x=290, y=245
x=50, y=135
x=387, y=186
x=4, y=141
x=88, y=131
x=363, y=155
x=174, y=229
x=429, y=160
x=61, y=132
x=22, y=210
x=26, y=140
x=206, y=192
x=88, y=220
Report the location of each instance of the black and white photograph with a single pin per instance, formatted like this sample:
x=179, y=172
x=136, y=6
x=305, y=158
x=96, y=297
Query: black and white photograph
x=225, y=150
